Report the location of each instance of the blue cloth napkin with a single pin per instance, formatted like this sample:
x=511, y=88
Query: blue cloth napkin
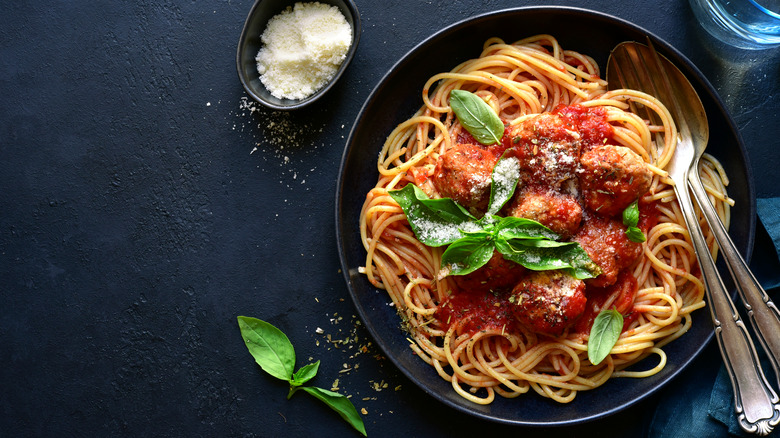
x=769, y=213
x=701, y=402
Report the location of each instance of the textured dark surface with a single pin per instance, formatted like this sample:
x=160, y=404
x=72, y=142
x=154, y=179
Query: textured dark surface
x=144, y=204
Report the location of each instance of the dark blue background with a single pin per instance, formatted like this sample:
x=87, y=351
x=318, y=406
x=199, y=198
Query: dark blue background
x=144, y=204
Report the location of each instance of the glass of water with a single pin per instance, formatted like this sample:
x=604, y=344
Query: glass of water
x=749, y=24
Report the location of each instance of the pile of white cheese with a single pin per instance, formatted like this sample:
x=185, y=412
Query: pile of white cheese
x=304, y=47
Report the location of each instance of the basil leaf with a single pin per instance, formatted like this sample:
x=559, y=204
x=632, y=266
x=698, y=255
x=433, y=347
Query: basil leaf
x=604, y=334
x=340, y=404
x=468, y=254
x=635, y=235
x=435, y=222
x=439, y=222
x=631, y=220
x=270, y=347
x=631, y=215
x=505, y=175
x=306, y=373
x=444, y=207
x=274, y=353
x=522, y=228
x=545, y=255
x=476, y=116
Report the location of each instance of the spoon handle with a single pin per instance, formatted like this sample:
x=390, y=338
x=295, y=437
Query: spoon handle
x=756, y=403
x=762, y=312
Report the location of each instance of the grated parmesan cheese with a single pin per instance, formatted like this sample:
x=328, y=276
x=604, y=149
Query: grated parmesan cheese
x=304, y=47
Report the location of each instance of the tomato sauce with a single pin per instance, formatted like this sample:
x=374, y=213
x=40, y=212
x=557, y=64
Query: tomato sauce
x=490, y=310
x=590, y=123
x=648, y=215
x=549, y=149
x=624, y=291
x=486, y=310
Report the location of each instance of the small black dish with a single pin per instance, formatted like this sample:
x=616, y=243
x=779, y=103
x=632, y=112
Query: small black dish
x=249, y=44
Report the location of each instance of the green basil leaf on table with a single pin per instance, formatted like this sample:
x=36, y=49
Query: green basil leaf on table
x=506, y=174
x=270, y=347
x=468, y=254
x=340, y=404
x=306, y=373
x=604, y=334
x=275, y=354
x=476, y=117
x=435, y=222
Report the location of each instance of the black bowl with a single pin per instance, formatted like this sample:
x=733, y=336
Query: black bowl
x=249, y=44
x=397, y=97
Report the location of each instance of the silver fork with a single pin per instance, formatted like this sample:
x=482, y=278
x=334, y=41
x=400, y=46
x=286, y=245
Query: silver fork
x=640, y=67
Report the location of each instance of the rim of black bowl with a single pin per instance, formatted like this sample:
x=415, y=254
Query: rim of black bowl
x=384, y=344
x=250, y=37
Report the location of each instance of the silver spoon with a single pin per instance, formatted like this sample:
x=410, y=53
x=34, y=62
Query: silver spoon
x=636, y=66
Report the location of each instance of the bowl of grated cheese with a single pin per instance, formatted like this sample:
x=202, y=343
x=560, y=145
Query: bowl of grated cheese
x=290, y=53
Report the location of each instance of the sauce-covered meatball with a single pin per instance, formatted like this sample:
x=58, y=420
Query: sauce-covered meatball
x=606, y=242
x=548, y=151
x=463, y=173
x=557, y=211
x=612, y=177
x=548, y=301
x=590, y=122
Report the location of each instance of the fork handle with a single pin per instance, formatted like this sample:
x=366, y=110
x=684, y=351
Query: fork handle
x=756, y=403
x=762, y=312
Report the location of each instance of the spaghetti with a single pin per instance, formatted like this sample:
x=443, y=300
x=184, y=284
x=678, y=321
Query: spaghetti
x=475, y=337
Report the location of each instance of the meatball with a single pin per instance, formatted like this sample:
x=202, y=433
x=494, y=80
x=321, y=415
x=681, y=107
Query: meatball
x=606, y=242
x=548, y=152
x=463, y=173
x=612, y=178
x=590, y=122
x=548, y=301
x=557, y=211
x=498, y=273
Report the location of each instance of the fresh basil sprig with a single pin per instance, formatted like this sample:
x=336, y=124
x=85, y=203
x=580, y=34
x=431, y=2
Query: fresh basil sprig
x=631, y=220
x=523, y=241
x=435, y=222
x=439, y=222
x=604, y=334
x=275, y=354
x=543, y=255
x=476, y=117
x=468, y=253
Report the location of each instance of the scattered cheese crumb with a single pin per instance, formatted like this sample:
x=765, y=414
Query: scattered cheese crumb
x=304, y=47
